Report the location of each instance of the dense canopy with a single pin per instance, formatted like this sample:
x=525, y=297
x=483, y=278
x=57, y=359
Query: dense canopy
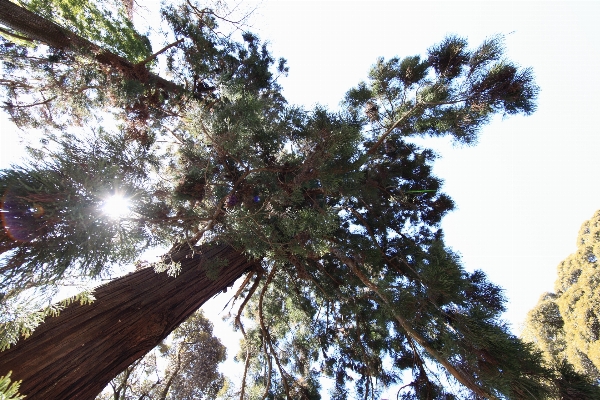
x=338, y=210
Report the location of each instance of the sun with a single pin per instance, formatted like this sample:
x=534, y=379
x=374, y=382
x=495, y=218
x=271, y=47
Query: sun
x=116, y=206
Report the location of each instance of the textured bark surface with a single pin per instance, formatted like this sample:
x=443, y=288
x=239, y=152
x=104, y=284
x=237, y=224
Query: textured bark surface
x=75, y=355
x=53, y=35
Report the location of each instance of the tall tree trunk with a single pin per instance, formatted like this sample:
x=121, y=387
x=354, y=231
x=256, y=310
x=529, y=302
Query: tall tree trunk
x=53, y=35
x=75, y=355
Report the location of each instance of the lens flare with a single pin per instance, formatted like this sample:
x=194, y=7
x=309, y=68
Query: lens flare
x=116, y=206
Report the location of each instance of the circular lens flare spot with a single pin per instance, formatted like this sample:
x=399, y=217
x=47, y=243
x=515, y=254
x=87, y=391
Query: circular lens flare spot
x=116, y=206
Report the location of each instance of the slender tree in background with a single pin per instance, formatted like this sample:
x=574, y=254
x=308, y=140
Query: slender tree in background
x=333, y=217
x=565, y=325
x=192, y=357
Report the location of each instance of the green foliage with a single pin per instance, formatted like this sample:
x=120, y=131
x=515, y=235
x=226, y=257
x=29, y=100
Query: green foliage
x=49, y=88
x=458, y=98
x=104, y=23
x=342, y=332
x=565, y=325
x=9, y=390
x=42, y=91
x=23, y=322
x=214, y=266
x=449, y=57
x=341, y=208
x=412, y=70
x=571, y=385
x=54, y=225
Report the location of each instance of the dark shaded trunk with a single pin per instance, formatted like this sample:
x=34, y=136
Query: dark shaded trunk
x=53, y=35
x=75, y=355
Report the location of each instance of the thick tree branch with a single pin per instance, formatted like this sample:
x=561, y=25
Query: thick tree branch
x=53, y=35
x=39, y=103
x=238, y=323
x=408, y=114
x=14, y=35
x=153, y=56
x=131, y=315
x=416, y=336
x=269, y=341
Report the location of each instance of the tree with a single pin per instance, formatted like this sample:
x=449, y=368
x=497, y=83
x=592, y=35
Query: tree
x=335, y=214
x=565, y=325
x=186, y=376
x=86, y=346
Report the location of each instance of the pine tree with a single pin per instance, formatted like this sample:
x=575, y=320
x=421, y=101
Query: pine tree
x=333, y=217
x=565, y=325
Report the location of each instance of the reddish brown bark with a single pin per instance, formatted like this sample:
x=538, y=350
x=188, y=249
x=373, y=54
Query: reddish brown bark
x=75, y=355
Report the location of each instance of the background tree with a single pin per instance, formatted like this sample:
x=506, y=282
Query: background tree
x=192, y=355
x=565, y=325
x=336, y=213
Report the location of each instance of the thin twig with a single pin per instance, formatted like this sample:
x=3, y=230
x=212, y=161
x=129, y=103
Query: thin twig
x=40, y=103
x=238, y=323
x=153, y=56
x=267, y=336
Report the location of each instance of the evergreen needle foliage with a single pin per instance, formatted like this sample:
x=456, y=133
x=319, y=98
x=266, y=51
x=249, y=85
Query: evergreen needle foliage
x=340, y=207
x=16, y=323
x=105, y=23
x=9, y=390
x=53, y=222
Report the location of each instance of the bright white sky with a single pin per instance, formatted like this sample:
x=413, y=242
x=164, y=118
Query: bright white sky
x=524, y=190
